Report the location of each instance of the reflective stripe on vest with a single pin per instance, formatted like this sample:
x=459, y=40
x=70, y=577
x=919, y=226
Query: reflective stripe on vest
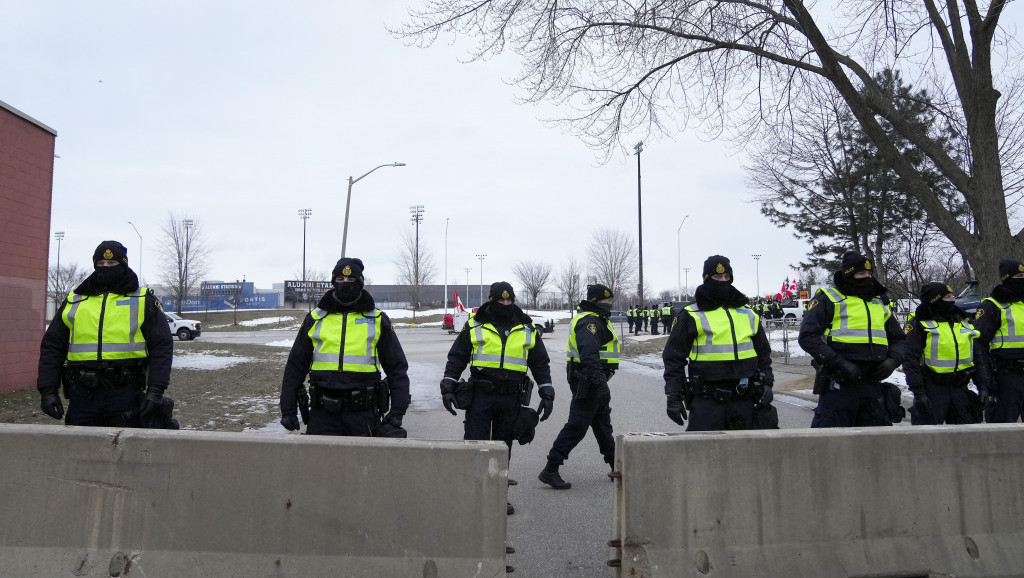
x=666, y=311
x=715, y=331
x=105, y=327
x=360, y=333
x=850, y=319
x=1009, y=336
x=949, y=348
x=490, y=351
x=609, y=351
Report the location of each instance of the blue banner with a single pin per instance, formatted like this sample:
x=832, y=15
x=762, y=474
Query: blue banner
x=222, y=302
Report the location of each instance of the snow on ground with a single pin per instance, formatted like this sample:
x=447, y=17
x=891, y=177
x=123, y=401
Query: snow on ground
x=282, y=343
x=264, y=321
x=207, y=361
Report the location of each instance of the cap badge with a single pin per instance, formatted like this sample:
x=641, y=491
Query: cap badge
x=346, y=271
x=108, y=254
x=867, y=264
x=504, y=294
x=607, y=293
x=720, y=269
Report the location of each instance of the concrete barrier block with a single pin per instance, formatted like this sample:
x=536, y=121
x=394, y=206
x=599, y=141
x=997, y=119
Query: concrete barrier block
x=922, y=501
x=110, y=502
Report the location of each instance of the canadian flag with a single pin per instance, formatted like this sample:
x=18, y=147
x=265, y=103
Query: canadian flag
x=458, y=304
x=793, y=288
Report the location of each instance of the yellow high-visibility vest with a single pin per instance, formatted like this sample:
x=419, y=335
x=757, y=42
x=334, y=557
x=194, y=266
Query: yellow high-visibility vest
x=1010, y=334
x=490, y=351
x=949, y=348
x=609, y=351
x=857, y=320
x=358, y=331
x=106, y=327
x=715, y=331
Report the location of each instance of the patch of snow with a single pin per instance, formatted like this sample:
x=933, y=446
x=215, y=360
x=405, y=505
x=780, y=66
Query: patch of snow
x=264, y=321
x=207, y=361
x=282, y=343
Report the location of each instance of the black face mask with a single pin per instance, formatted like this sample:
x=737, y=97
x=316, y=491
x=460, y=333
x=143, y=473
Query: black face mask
x=108, y=277
x=863, y=287
x=717, y=291
x=347, y=292
x=943, y=308
x=502, y=313
x=605, y=308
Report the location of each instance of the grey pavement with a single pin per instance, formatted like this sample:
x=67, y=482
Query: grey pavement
x=555, y=533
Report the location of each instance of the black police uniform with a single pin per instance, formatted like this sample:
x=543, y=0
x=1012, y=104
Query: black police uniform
x=344, y=403
x=719, y=394
x=106, y=392
x=1000, y=369
x=848, y=386
x=938, y=397
x=590, y=407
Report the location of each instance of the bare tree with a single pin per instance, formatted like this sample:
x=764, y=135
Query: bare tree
x=416, y=267
x=736, y=64
x=570, y=282
x=613, y=259
x=534, y=277
x=62, y=281
x=184, y=254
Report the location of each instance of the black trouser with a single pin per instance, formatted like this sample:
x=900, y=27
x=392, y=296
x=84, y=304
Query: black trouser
x=592, y=412
x=630, y=321
x=491, y=416
x=1010, y=395
x=666, y=324
x=946, y=404
x=355, y=423
x=104, y=406
x=709, y=414
x=855, y=404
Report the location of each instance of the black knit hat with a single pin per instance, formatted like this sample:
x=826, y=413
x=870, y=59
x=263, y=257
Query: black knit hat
x=348, y=267
x=501, y=290
x=110, y=250
x=1009, y=267
x=717, y=265
x=933, y=292
x=853, y=262
x=598, y=292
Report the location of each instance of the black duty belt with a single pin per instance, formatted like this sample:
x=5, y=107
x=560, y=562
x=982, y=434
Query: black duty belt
x=502, y=387
x=108, y=377
x=336, y=400
x=1009, y=365
x=955, y=379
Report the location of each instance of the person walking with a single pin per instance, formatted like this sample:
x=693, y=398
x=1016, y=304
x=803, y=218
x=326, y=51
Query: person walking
x=719, y=342
x=343, y=346
x=592, y=356
x=856, y=343
x=1000, y=345
x=110, y=346
x=499, y=344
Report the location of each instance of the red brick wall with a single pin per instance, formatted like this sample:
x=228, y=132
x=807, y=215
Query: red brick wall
x=26, y=186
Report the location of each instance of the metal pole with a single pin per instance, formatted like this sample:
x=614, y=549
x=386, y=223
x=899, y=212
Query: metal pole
x=481, y=257
x=348, y=200
x=679, y=254
x=687, y=287
x=446, y=219
x=757, y=266
x=59, y=235
x=188, y=225
x=140, y=250
x=467, y=270
x=416, y=216
x=639, y=220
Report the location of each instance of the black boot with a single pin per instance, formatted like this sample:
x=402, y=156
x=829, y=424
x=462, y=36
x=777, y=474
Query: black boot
x=509, y=510
x=549, y=475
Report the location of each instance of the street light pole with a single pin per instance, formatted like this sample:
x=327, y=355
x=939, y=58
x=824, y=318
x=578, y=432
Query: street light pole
x=639, y=220
x=348, y=200
x=446, y=219
x=467, y=270
x=59, y=235
x=188, y=225
x=687, y=287
x=140, y=250
x=416, y=216
x=679, y=253
x=304, y=214
x=481, y=257
x=757, y=265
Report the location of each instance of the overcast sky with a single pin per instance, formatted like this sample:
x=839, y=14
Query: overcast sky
x=240, y=113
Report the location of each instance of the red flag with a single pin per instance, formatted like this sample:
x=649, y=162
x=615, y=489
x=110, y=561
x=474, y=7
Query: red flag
x=458, y=304
x=793, y=288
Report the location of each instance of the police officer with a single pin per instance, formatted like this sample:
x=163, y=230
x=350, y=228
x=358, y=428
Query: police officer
x=1000, y=347
x=498, y=343
x=856, y=343
x=666, y=317
x=343, y=345
x=117, y=346
x=721, y=341
x=630, y=317
x=655, y=319
x=645, y=315
x=939, y=361
x=592, y=356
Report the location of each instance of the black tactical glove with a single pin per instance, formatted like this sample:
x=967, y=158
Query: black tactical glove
x=884, y=369
x=51, y=405
x=676, y=409
x=848, y=371
x=303, y=406
x=982, y=395
x=290, y=422
x=546, y=393
x=393, y=418
x=766, y=396
x=152, y=402
x=448, y=395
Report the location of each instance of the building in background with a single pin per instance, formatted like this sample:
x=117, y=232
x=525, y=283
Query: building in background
x=26, y=190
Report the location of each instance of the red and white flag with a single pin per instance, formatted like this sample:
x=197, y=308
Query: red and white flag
x=458, y=304
x=793, y=288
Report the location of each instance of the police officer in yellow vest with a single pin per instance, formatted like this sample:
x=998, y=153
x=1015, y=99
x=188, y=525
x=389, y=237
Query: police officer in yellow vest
x=856, y=342
x=720, y=342
x=343, y=345
x=499, y=344
x=630, y=317
x=110, y=345
x=592, y=356
x=666, y=317
x=1000, y=347
x=940, y=359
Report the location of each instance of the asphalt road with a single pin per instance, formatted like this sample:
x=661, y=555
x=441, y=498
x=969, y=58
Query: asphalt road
x=555, y=533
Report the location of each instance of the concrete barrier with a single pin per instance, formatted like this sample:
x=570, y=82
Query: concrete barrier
x=109, y=502
x=910, y=502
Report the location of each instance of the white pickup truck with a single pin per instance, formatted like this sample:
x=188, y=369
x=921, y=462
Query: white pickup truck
x=793, y=312
x=185, y=329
